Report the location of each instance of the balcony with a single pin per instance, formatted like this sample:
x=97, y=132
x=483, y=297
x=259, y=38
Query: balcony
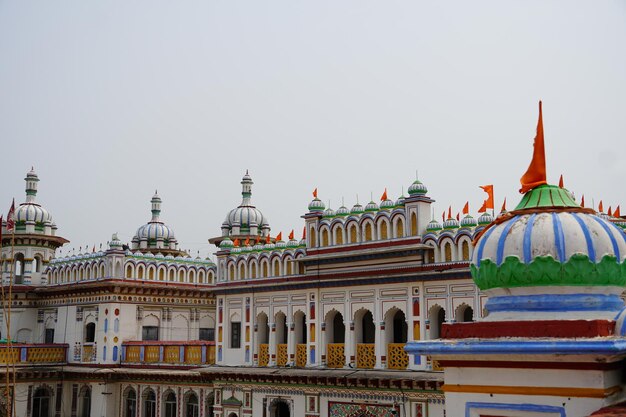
x=264, y=354
x=282, y=356
x=365, y=355
x=33, y=354
x=168, y=353
x=301, y=355
x=397, y=358
x=335, y=355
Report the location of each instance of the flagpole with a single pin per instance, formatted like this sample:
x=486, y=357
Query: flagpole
x=4, y=308
x=11, y=387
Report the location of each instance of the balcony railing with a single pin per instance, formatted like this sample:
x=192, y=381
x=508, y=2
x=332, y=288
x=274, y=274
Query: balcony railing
x=301, y=355
x=335, y=355
x=282, y=356
x=33, y=354
x=365, y=355
x=397, y=358
x=264, y=354
x=169, y=353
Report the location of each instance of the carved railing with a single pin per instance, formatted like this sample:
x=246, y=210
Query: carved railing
x=169, y=353
x=33, y=354
x=89, y=353
x=282, y=357
x=264, y=354
x=301, y=355
x=397, y=358
x=335, y=355
x=365, y=355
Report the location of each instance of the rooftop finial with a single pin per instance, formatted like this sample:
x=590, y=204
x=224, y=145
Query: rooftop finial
x=246, y=190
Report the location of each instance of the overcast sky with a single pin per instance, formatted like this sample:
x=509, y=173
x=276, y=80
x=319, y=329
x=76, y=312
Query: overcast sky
x=111, y=100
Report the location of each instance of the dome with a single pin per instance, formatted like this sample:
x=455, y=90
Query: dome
x=433, y=226
x=484, y=219
x=155, y=229
x=316, y=206
x=342, y=211
x=328, y=213
x=236, y=250
x=451, y=223
x=30, y=211
x=293, y=243
x=468, y=221
x=246, y=215
x=400, y=201
x=302, y=243
x=281, y=245
x=387, y=205
x=549, y=240
x=417, y=188
x=226, y=244
x=356, y=209
x=371, y=207
x=270, y=246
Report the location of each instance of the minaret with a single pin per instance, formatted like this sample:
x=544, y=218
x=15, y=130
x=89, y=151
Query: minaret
x=246, y=190
x=156, y=208
x=31, y=185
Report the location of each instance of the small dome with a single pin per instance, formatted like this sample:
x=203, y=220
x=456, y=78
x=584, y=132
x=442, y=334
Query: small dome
x=316, y=206
x=387, y=204
x=293, y=243
x=484, y=219
x=371, y=207
x=270, y=246
x=302, y=243
x=281, y=245
x=246, y=215
x=433, y=226
x=235, y=250
x=450, y=224
x=342, y=211
x=30, y=211
x=356, y=209
x=155, y=234
x=226, y=244
x=328, y=213
x=400, y=201
x=258, y=247
x=417, y=188
x=468, y=221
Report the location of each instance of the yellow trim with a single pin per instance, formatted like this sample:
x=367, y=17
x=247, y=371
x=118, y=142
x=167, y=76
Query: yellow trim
x=520, y=390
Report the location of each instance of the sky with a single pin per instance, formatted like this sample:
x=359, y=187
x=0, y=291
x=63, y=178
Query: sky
x=111, y=100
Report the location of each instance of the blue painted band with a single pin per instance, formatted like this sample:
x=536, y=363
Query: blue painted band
x=559, y=237
x=481, y=244
x=591, y=251
x=555, y=302
x=507, y=347
x=611, y=237
x=502, y=240
x=534, y=408
x=620, y=231
x=527, y=239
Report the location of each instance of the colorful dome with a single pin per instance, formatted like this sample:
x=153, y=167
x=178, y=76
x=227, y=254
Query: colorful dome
x=155, y=230
x=417, y=188
x=328, y=213
x=246, y=214
x=292, y=243
x=342, y=211
x=433, y=226
x=281, y=245
x=400, y=201
x=226, y=244
x=356, y=209
x=451, y=223
x=484, y=219
x=468, y=221
x=371, y=207
x=316, y=206
x=236, y=250
x=387, y=205
x=30, y=211
x=549, y=240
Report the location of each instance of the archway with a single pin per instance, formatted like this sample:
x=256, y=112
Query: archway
x=280, y=408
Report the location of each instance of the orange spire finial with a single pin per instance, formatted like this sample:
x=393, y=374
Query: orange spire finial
x=236, y=243
x=267, y=239
x=536, y=173
x=466, y=208
x=617, y=213
x=450, y=212
x=610, y=212
x=247, y=242
x=561, y=181
x=458, y=217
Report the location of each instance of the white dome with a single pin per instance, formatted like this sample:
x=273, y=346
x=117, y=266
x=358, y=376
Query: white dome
x=31, y=212
x=246, y=215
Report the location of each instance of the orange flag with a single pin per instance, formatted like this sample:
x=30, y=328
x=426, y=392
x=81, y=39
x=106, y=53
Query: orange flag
x=304, y=233
x=483, y=208
x=503, y=206
x=247, y=242
x=291, y=235
x=279, y=237
x=236, y=243
x=267, y=239
x=582, y=201
x=450, y=212
x=384, y=196
x=536, y=173
x=443, y=216
x=466, y=208
x=561, y=181
x=600, y=207
x=617, y=213
x=315, y=193
x=610, y=212
x=458, y=217
x=489, y=201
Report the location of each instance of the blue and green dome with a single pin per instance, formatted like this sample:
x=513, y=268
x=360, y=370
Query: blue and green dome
x=316, y=206
x=371, y=207
x=433, y=226
x=417, y=188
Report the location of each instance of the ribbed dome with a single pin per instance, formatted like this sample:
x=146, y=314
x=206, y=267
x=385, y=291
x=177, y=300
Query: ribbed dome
x=30, y=211
x=484, y=219
x=293, y=243
x=342, y=211
x=155, y=235
x=316, y=205
x=433, y=226
x=417, y=188
x=400, y=201
x=371, y=207
x=328, y=213
x=451, y=224
x=356, y=209
x=281, y=245
x=387, y=204
x=246, y=215
x=468, y=221
x=226, y=244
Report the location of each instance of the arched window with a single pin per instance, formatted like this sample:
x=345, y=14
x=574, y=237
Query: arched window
x=364, y=327
x=84, y=402
x=140, y=270
x=447, y=249
x=353, y=234
x=242, y=271
x=130, y=403
x=19, y=268
x=37, y=263
x=276, y=267
x=465, y=250
x=338, y=232
x=288, y=266
x=464, y=314
x=149, y=404
x=325, y=237
x=192, y=275
x=41, y=403
x=300, y=328
x=90, y=333
x=413, y=224
x=335, y=328
x=201, y=277
x=399, y=228
x=191, y=406
x=170, y=275
x=437, y=317
x=231, y=272
x=384, y=230
x=312, y=240
x=265, y=268
x=368, y=232
x=170, y=405
x=129, y=271
x=252, y=270
x=181, y=275
x=161, y=274
x=150, y=273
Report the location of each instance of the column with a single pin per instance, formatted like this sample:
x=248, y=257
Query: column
x=349, y=345
x=272, y=343
x=381, y=345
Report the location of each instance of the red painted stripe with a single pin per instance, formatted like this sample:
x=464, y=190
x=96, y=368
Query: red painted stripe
x=537, y=328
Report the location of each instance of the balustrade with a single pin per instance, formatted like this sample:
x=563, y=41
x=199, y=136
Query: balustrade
x=397, y=358
x=365, y=355
x=23, y=354
x=335, y=355
x=281, y=355
x=301, y=355
x=264, y=354
x=188, y=353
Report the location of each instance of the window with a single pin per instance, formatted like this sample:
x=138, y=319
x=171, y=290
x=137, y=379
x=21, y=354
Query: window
x=49, y=336
x=85, y=403
x=170, y=405
x=41, y=403
x=191, y=409
x=149, y=333
x=207, y=334
x=90, y=333
x=149, y=405
x=130, y=405
x=235, y=335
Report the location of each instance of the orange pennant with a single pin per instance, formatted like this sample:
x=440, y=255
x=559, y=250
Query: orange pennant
x=503, y=205
x=466, y=208
x=483, y=208
x=489, y=190
x=600, y=207
x=617, y=213
x=279, y=237
x=582, y=201
x=267, y=239
x=536, y=173
x=291, y=235
x=561, y=181
x=610, y=212
x=458, y=217
x=304, y=233
x=450, y=212
x=315, y=193
x=236, y=243
x=384, y=196
x=247, y=242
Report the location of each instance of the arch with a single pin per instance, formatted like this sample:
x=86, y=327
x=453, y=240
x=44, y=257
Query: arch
x=325, y=236
x=141, y=272
x=191, y=275
x=129, y=270
x=181, y=274
x=447, y=251
x=242, y=270
x=399, y=227
x=335, y=327
x=396, y=328
x=279, y=408
x=464, y=313
x=149, y=402
x=312, y=237
x=413, y=224
x=436, y=318
x=276, y=266
x=209, y=402
x=161, y=273
x=338, y=234
x=353, y=234
x=280, y=321
x=263, y=328
x=253, y=268
x=465, y=250
x=151, y=272
x=265, y=267
x=171, y=273
x=180, y=327
x=169, y=404
x=300, y=327
x=368, y=231
x=288, y=261
x=84, y=402
x=383, y=228
x=102, y=269
x=90, y=333
x=211, y=278
x=19, y=268
x=201, y=276
x=130, y=402
x=37, y=260
x=42, y=406
x=191, y=405
x=364, y=328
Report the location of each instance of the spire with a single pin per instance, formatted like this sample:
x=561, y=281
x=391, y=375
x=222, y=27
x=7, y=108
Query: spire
x=31, y=185
x=156, y=207
x=246, y=190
